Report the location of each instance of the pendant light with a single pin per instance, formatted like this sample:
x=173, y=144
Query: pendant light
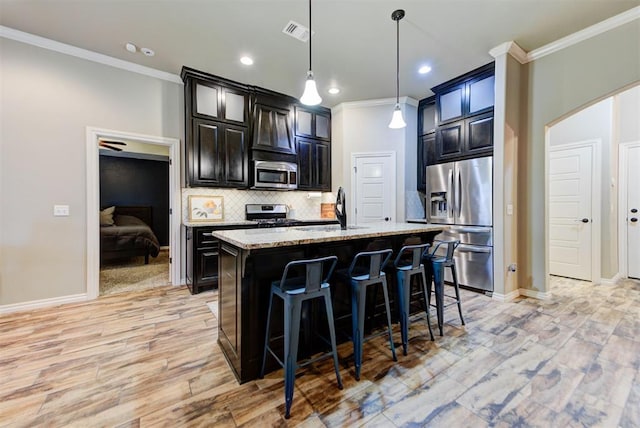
x=310, y=96
x=396, y=120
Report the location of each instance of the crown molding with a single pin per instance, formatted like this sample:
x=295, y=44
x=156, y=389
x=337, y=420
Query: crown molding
x=42, y=42
x=511, y=48
x=579, y=36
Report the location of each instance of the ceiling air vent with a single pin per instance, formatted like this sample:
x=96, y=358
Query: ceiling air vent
x=296, y=30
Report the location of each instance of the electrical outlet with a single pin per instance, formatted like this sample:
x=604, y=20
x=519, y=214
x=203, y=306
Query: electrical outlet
x=509, y=209
x=61, y=210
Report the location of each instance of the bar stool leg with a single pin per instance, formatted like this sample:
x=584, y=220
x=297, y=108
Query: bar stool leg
x=457, y=288
x=438, y=279
x=386, y=305
x=403, y=300
x=332, y=334
x=425, y=291
x=266, y=337
x=291, y=334
x=358, y=297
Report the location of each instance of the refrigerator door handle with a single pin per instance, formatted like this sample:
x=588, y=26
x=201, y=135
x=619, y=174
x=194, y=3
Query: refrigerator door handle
x=451, y=196
x=459, y=194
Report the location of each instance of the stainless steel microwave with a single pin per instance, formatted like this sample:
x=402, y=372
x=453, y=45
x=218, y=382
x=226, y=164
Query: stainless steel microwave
x=275, y=175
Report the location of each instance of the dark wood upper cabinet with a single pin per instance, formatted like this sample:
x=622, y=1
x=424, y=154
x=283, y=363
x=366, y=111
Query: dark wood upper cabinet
x=217, y=155
x=314, y=164
x=457, y=122
x=313, y=122
x=464, y=96
x=219, y=102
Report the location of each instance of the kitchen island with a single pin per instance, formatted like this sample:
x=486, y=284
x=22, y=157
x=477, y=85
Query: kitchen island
x=250, y=259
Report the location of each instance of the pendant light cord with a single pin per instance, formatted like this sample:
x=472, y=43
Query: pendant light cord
x=310, y=35
x=397, y=61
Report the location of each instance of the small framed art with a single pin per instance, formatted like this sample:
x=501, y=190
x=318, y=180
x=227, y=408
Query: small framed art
x=206, y=208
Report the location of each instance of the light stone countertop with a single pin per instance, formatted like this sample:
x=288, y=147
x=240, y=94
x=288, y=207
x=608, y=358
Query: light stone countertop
x=250, y=222
x=251, y=239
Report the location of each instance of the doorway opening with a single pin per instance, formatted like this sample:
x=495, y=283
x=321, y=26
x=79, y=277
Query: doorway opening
x=128, y=211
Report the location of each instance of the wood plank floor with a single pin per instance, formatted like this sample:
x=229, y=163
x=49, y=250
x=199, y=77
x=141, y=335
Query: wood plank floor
x=151, y=359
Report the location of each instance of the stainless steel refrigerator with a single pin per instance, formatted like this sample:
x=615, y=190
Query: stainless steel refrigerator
x=461, y=194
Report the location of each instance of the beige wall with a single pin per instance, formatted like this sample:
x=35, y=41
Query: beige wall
x=47, y=101
x=558, y=84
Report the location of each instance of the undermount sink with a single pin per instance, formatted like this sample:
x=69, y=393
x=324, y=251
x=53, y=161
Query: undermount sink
x=332, y=228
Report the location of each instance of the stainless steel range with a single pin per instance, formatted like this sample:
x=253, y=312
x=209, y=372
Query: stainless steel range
x=269, y=215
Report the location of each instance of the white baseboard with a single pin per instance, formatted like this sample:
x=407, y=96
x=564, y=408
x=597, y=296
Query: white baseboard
x=541, y=295
x=36, y=304
x=611, y=281
x=505, y=297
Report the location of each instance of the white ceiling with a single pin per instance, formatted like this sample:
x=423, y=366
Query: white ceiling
x=353, y=42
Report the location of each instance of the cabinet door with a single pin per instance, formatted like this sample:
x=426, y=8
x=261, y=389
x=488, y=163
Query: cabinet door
x=230, y=303
x=304, y=122
x=426, y=156
x=479, y=134
x=481, y=94
x=207, y=145
x=449, y=141
x=207, y=267
x=322, y=166
x=236, y=157
x=206, y=100
x=272, y=130
x=323, y=126
x=305, y=164
x=235, y=105
x=450, y=104
x=426, y=118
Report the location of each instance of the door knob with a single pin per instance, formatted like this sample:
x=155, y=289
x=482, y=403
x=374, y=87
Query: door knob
x=387, y=219
x=634, y=210
x=584, y=220
x=633, y=219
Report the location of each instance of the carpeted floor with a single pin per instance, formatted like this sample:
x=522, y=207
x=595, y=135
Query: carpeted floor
x=117, y=276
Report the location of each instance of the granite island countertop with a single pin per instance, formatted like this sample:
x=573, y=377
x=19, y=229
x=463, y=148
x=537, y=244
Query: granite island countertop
x=251, y=239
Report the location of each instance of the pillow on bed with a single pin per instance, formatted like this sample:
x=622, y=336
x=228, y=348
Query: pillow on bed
x=106, y=216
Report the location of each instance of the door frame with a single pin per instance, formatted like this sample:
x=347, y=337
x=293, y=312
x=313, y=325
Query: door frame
x=623, y=155
x=93, y=202
x=353, y=200
x=596, y=217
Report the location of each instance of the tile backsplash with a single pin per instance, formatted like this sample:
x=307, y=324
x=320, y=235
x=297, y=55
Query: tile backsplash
x=305, y=204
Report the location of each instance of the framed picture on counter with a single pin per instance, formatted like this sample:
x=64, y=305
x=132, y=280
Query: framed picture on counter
x=206, y=208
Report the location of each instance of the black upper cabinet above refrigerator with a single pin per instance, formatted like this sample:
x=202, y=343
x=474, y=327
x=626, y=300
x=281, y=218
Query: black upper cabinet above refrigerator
x=457, y=122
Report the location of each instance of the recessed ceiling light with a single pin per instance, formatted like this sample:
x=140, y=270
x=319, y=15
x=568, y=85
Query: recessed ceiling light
x=131, y=47
x=334, y=91
x=246, y=60
x=147, y=51
x=424, y=69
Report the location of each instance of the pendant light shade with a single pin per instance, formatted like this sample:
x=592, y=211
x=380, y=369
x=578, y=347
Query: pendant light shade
x=310, y=96
x=397, y=121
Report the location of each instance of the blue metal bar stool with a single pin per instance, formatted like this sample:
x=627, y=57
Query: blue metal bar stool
x=293, y=291
x=366, y=270
x=406, y=269
x=439, y=261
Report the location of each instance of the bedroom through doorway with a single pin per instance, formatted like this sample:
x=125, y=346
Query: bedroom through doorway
x=133, y=225
x=134, y=216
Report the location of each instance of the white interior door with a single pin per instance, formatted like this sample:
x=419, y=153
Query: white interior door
x=633, y=212
x=375, y=183
x=570, y=216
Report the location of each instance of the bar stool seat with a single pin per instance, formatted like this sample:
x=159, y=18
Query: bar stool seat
x=366, y=270
x=438, y=263
x=405, y=271
x=294, y=291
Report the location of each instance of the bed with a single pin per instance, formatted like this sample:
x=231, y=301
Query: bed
x=125, y=232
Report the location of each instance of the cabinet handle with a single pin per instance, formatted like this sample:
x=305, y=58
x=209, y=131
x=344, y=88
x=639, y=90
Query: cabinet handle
x=207, y=234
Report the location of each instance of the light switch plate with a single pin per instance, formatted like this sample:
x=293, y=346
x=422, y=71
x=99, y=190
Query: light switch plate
x=60, y=210
x=509, y=209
